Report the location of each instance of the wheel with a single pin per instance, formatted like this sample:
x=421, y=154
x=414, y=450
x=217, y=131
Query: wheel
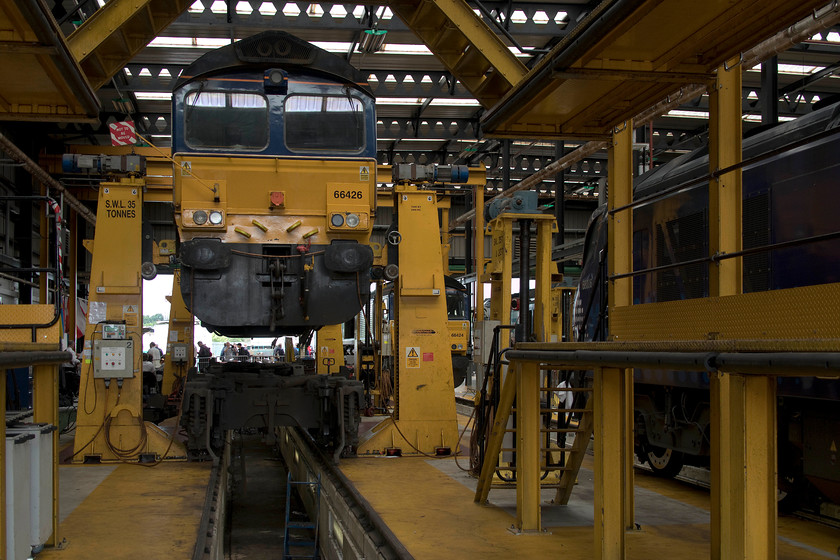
x=664, y=462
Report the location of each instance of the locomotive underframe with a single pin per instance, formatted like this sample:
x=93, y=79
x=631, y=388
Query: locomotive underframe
x=238, y=395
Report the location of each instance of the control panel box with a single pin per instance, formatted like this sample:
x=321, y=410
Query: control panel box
x=113, y=359
x=113, y=331
x=178, y=353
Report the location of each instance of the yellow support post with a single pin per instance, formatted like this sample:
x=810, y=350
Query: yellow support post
x=500, y=270
x=3, y=461
x=478, y=251
x=445, y=239
x=330, y=349
x=743, y=407
x=618, y=385
x=542, y=292
x=180, y=337
x=528, y=446
x=725, y=194
x=45, y=410
x=610, y=414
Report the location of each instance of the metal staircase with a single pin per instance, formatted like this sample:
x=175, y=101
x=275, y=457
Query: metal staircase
x=564, y=410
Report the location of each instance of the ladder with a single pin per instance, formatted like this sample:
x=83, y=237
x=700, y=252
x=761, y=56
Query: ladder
x=559, y=416
x=300, y=538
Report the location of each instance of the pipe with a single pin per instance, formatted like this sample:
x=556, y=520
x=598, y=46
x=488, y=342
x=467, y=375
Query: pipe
x=767, y=363
x=41, y=357
x=790, y=364
x=39, y=173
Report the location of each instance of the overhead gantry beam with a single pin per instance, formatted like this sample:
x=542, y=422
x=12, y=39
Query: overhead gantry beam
x=465, y=44
x=43, y=80
x=116, y=32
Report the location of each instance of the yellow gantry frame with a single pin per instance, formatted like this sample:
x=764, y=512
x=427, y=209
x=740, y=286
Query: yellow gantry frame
x=424, y=418
x=116, y=296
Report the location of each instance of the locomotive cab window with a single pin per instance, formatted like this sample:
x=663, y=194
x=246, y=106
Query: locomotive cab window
x=324, y=123
x=233, y=121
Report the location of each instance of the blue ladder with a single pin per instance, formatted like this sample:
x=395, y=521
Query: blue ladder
x=303, y=548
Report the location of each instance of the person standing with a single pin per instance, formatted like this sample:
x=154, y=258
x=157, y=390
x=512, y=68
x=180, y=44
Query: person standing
x=204, y=355
x=228, y=353
x=157, y=363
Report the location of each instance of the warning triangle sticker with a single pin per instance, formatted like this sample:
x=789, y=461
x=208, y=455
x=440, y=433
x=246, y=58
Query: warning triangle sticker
x=412, y=353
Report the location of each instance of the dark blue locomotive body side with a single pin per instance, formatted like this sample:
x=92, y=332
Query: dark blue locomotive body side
x=789, y=196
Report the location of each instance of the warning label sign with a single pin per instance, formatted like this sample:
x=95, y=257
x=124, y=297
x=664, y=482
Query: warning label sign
x=364, y=173
x=412, y=357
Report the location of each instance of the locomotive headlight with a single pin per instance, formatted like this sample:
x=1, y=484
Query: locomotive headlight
x=200, y=217
x=352, y=220
x=337, y=220
x=215, y=217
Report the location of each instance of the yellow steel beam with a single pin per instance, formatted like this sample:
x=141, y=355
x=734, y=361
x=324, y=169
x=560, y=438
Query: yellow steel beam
x=103, y=24
x=728, y=445
x=611, y=455
x=483, y=38
x=743, y=466
x=478, y=251
x=499, y=271
x=725, y=194
x=743, y=408
x=464, y=44
x=620, y=255
x=106, y=41
x=527, y=446
x=45, y=410
x=3, y=460
x=542, y=288
x=445, y=245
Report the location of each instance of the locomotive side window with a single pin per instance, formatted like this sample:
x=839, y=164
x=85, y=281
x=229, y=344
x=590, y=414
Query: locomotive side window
x=235, y=121
x=324, y=123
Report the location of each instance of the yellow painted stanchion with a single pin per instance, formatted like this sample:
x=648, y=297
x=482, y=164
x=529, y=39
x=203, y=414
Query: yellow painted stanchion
x=528, y=446
x=3, y=461
x=743, y=407
x=45, y=410
x=610, y=387
x=615, y=507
